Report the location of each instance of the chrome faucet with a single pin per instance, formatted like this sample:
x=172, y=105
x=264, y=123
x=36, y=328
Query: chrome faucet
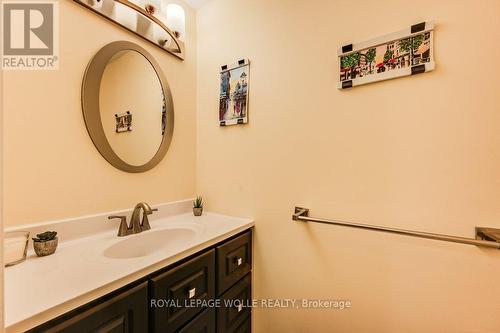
x=136, y=226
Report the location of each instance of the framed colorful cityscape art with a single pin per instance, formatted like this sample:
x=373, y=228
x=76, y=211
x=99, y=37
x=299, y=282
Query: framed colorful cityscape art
x=406, y=52
x=233, y=98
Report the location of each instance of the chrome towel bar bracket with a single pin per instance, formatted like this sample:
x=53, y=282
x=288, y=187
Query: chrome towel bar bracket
x=485, y=237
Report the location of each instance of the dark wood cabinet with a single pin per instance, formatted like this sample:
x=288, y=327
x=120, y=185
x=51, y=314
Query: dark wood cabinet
x=245, y=327
x=203, y=323
x=235, y=307
x=126, y=312
x=181, y=288
x=176, y=299
x=234, y=261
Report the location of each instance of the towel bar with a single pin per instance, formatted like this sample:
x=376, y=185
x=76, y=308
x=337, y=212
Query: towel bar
x=485, y=237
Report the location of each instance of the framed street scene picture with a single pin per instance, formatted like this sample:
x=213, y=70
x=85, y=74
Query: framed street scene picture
x=123, y=122
x=233, y=98
x=406, y=52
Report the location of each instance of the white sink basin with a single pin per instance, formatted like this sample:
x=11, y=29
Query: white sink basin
x=149, y=242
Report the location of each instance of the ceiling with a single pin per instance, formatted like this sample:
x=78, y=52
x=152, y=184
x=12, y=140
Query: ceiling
x=196, y=3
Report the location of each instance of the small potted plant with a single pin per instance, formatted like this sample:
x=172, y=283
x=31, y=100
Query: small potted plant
x=45, y=243
x=198, y=206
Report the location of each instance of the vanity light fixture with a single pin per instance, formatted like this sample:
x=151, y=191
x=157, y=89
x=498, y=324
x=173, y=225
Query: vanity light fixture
x=151, y=6
x=149, y=19
x=176, y=20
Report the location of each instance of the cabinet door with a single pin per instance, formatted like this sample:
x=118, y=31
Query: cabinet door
x=235, y=308
x=234, y=261
x=246, y=327
x=203, y=323
x=178, y=295
x=124, y=313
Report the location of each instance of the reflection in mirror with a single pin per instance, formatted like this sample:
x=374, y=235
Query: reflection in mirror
x=132, y=107
x=127, y=106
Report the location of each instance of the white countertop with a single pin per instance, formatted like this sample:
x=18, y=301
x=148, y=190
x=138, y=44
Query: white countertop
x=41, y=288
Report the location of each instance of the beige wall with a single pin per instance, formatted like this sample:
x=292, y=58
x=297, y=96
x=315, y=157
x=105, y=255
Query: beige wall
x=52, y=169
x=418, y=153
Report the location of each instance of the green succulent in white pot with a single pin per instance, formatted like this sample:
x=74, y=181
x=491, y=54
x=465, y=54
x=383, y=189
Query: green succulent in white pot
x=45, y=243
x=198, y=206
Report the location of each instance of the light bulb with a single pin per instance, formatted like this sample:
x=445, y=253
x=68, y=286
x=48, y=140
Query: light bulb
x=176, y=19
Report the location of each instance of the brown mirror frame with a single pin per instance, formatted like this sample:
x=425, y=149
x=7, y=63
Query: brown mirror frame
x=92, y=114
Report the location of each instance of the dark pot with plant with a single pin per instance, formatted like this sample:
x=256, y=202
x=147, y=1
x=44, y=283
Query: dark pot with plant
x=45, y=243
x=198, y=206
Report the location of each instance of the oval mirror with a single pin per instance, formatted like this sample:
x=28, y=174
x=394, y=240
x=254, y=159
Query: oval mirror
x=127, y=107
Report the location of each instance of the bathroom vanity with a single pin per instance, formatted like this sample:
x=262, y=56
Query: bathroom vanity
x=178, y=281
x=177, y=298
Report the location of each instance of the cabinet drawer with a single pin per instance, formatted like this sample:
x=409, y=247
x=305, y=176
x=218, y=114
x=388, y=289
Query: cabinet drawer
x=175, y=291
x=234, y=261
x=125, y=313
x=234, y=308
x=203, y=323
x=245, y=327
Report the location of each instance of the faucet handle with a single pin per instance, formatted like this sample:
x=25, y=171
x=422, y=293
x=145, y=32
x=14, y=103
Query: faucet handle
x=145, y=221
x=123, y=230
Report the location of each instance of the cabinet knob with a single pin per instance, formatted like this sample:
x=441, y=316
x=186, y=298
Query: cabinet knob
x=239, y=261
x=192, y=292
x=239, y=307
